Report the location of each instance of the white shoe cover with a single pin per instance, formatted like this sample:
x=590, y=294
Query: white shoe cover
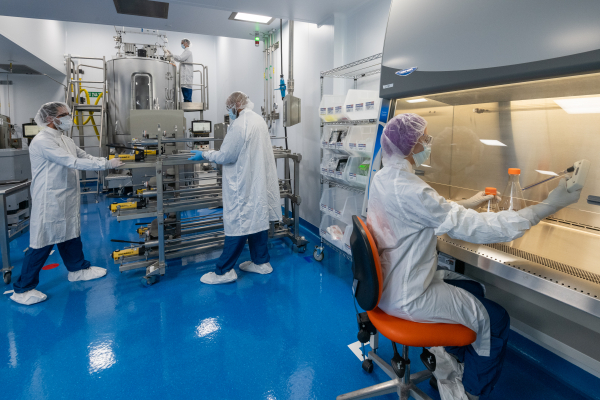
x=213, y=279
x=87, y=274
x=28, y=298
x=263, y=269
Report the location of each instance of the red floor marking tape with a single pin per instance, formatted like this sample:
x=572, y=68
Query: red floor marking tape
x=50, y=266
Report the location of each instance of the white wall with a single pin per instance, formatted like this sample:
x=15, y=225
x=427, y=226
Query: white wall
x=44, y=38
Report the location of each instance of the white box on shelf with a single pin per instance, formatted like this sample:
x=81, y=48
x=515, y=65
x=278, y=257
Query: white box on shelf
x=361, y=104
x=341, y=204
x=329, y=226
x=357, y=171
x=360, y=140
x=331, y=108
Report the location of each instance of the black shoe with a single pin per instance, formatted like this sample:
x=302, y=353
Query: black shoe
x=433, y=383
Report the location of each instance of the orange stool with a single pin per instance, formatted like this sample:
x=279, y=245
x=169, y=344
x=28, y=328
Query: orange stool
x=367, y=288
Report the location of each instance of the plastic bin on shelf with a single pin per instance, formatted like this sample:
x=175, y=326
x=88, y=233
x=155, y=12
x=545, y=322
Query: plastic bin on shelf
x=342, y=242
x=361, y=104
x=335, y=139
x=356, y=172
x=341, y=204
x=331, y=108
x=333, y=166
x=360, y=140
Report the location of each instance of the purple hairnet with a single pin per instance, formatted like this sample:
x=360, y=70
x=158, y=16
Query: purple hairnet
x=401, y=134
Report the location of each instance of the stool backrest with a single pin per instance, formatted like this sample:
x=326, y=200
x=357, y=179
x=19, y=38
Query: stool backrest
x=366, y=266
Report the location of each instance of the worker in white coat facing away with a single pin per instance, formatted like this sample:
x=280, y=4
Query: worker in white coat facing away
x=250, y=190
x=55, y=218
x=405, y=215
x=186, y=77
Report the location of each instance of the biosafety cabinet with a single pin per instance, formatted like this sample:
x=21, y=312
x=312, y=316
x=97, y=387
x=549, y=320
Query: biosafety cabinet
x=511, y=85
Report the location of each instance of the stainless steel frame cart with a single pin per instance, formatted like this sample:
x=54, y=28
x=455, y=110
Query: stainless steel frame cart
x=195, y=235
x=356, y=70
x=10, y=233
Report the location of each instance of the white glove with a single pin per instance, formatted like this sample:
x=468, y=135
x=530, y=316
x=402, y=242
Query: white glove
x=114, y=163
x=167, y=52
x=557, y=199
x=475, y=201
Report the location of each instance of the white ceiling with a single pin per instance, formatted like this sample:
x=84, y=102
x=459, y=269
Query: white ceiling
x=208, y=17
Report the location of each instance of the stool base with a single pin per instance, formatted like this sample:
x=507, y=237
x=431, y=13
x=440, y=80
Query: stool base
x=406, y=388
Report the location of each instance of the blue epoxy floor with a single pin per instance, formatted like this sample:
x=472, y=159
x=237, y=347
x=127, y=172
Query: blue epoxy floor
x=279, y=336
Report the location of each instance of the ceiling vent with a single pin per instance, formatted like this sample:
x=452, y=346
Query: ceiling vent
x=19, y=69
x=143, y=8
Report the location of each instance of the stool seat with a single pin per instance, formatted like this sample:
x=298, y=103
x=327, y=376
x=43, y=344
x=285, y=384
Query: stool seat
x=417, y=334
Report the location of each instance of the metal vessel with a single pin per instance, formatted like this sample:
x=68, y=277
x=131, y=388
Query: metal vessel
x=137, y=83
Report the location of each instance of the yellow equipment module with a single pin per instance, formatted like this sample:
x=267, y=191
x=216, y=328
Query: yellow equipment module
x=130, y=205
x=138, y=156
x=138, y=251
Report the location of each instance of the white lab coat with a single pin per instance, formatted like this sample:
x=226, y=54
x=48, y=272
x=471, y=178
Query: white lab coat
x=250, y=186
x=405, y=215
x=186, y=77
x=55, y=160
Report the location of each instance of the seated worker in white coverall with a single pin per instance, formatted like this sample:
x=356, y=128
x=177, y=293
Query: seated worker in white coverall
x=55, y=219
x=250, y=190
x=405, y=215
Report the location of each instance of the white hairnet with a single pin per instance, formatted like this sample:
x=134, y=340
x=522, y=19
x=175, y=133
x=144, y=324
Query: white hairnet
x=400, y=135
x=239, y=100
x=49, y=111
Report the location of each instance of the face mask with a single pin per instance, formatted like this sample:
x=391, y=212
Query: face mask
x=63, y=123
x=232, y=116
x=183, y=46
x=421, y=157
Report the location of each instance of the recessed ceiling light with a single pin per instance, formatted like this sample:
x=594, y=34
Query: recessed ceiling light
x=491, y=142
x=585, y=105
x=419, y=100
x=261, y=19
x=546, y=172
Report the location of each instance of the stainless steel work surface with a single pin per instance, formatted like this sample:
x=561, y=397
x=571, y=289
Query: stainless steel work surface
x=563, y=245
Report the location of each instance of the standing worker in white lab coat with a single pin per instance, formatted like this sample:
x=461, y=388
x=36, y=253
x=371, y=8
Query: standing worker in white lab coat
x=250, y=190
x=405, y=215
x=55, y=218
x=186, y=76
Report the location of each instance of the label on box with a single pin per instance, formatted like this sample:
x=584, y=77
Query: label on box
x=362, y=146
x=339, y=145
x=352, y=176
x=338, y=109
x=322, y=111
x=359, y=106
x=352, y=146
x=338, y=174
x=347, y=248
x=337, y=213
x=323, y=207
x=370, y=105
x=349, y=108
x=388, y=86
x=323, y=232
x=324, y=171
x=330, y=110
x=332, y=172
x=330, y=209
x=324, y=143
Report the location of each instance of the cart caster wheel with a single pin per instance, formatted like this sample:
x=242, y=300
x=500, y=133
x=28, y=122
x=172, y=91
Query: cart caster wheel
x=7, y=276
x=149, y=280
x=302, y=249
x=317, y=256
x=367, y=365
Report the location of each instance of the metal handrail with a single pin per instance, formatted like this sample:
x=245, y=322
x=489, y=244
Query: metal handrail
x=203, y=85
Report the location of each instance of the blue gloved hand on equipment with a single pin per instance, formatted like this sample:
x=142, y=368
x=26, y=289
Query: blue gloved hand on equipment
x=197, y=155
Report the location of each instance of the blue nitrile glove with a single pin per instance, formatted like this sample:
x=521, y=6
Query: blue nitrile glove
x=197, y=155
